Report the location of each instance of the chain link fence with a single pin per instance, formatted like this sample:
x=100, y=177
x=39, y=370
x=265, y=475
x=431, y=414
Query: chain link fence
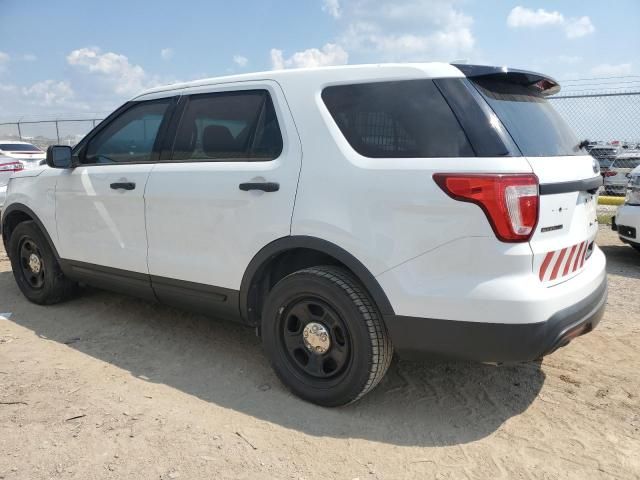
x=44, y=132
x=610, y=121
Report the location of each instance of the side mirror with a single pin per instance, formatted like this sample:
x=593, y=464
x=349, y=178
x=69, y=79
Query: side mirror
x=59, y=156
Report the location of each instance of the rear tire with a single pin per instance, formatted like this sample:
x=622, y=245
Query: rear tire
x=35, y=267
x=324, y=336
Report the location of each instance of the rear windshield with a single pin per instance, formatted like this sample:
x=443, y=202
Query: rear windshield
x=626, y=163
x=535, y=126
x=18, y=147
x=407, y=118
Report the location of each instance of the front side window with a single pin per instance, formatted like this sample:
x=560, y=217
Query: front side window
x=229, y=126
x=535, y=126
x=131, y=137
x=407, y=118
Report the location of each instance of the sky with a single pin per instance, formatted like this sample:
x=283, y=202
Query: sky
x=81, y=57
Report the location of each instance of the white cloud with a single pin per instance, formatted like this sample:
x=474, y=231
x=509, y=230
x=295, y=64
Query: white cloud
x=240, y=60
x=409, y=30
x=4, y=59
x=332, y=7
x=49, y=93
x=7, y=87
x=525, y=17
x=115, y=69
x=330, y=54
x=608, y=70
x=522, y=17
x=29, y=57
x=579, y=27
x=166, y=53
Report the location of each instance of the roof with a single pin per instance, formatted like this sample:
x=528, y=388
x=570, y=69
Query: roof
x=320, y=75
x=16, y=142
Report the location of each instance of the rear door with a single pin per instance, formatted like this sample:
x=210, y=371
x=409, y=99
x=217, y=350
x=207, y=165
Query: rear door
x=224, y=190
x=569, y=177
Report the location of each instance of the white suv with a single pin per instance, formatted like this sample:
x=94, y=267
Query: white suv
x=627, y=219
x=344, y=212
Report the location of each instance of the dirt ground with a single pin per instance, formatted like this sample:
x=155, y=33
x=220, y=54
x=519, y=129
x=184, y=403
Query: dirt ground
x=106, y=386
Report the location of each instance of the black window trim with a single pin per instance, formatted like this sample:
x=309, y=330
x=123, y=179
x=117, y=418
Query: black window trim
x=483, y=143
x=79, y=152
x=167, y=153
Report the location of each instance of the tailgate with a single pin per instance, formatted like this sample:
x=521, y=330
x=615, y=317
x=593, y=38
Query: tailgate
x=568, y=224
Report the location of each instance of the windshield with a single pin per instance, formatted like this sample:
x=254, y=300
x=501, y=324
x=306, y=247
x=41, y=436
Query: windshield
x=18, y=147
x=535, y=126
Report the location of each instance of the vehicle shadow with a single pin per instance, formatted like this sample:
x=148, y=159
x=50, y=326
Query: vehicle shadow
x=622, y=260
x=419, y=404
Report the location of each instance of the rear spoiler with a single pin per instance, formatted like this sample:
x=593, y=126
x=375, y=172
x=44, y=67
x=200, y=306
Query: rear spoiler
x=546, y=85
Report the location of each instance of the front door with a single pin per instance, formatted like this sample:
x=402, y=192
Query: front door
x=100, y=203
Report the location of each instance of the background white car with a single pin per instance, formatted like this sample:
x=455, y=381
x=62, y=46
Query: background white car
x=7, y=167
x=617, y=177
x=627, y=220
x=29, y=155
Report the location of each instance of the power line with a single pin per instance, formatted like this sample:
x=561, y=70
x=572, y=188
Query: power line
x=600, y=83
x=601, y=92
x=597, y=78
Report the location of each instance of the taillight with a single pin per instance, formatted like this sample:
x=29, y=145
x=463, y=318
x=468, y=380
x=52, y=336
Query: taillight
x=11, y=167
x=610, y=174
x=510, y=201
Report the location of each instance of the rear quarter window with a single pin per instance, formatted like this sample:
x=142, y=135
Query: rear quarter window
x=535, y=126
x=400, y=119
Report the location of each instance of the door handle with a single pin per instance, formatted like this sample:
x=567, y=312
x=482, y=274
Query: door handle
x=264, y=186
x=123, y=185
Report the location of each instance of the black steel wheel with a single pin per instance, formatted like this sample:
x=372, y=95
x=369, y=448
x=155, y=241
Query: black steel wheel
x=315, y=338
x=35, y=267
x=324, y=336
x=31, y=264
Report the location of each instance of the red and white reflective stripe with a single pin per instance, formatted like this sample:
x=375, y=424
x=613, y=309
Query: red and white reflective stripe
x=560, y=263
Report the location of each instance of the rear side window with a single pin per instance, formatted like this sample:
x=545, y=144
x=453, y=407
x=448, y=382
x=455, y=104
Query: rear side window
x=397, y=119
x=229, y=126
x=536, y=128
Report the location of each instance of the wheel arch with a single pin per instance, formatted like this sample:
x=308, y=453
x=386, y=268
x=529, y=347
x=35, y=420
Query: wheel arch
x=288, y=254
x=15, y=214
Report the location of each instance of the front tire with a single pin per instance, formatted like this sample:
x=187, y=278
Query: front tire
x=324, y=336
x=35, y=267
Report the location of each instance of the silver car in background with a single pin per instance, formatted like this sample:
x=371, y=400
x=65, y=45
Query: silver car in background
x=28, y=154
x=617, y=177
x=8, y=166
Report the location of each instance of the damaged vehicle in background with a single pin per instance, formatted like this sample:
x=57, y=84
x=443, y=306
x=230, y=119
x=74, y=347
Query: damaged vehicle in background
x=8, y=166
x=28, y=154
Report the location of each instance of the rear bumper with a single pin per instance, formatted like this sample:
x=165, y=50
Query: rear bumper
x=416, y=338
